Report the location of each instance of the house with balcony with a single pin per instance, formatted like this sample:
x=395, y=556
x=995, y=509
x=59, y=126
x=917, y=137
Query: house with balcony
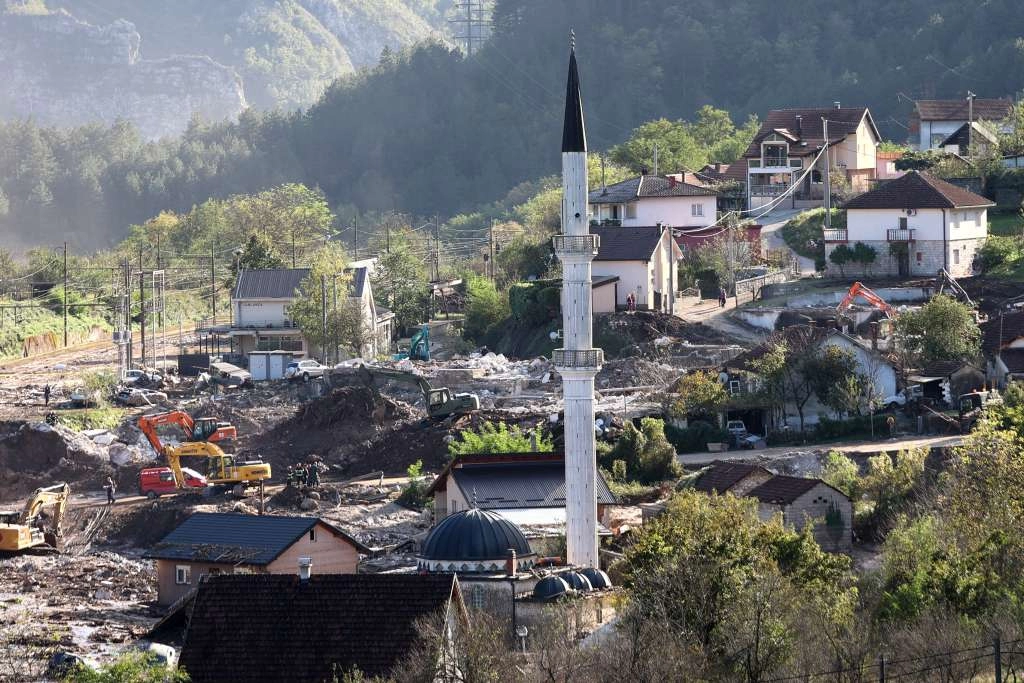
x=261, y=303
x=917, y=224
x=933, y=121
x=785, y=152
x=679, y=200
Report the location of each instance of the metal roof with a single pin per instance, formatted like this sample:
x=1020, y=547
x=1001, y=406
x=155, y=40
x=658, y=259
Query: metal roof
x=958, y=110
x=275, y=283
x=574, y=134
x=237, y=538
x=627, y=244
x=721, y=477
x=647, y=186
x=520, y=485
x=474, y=535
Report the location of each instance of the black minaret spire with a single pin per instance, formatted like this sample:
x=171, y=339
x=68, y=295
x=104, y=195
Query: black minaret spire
x=574, y=135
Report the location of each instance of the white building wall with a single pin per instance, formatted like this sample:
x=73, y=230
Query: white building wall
x=937, y=128
x=260, y=313
x=634, y=276
x=674, y=211
x=856, y=151
x=883, y=374
x=869, y=225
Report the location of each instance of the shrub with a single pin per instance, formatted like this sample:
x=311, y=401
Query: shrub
x=414, y=495
x=695, y=438
x=492, y=437
x=658, y=459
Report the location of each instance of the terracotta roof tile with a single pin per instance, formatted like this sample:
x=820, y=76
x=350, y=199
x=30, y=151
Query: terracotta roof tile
x=721, y=477
x=957, y=110
x=782, y=490
x=917, y=190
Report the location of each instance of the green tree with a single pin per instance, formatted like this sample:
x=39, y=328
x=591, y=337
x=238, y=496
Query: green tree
x=134, y=667
x=865, y=255
x=677, y=149
x=697, y=394
x=841, y=255
x=400, y=281
x=485, y=306
x=840, y=471
x=258, y=253
x=414, y=493
x=498, y=437
x=658, y=458
x=942, y=329
x=316, y=299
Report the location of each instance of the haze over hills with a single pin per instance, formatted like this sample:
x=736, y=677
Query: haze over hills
x=428, y=130
x=156, y=63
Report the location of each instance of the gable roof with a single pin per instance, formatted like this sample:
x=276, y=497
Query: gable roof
x=275, y=627
x=237, y=538
x=961, y=139
x=627, y=244
x=642, y=186
x=957, y=110
x=275, y=283
x=917, y=190
x=804, y=128
x=1013, y=359
x=722, y=476
x=1000, y=330
x=520, y=485
x=783, y=490
x=357, y=285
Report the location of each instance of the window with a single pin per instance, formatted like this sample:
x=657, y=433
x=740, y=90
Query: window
x=477, y=597
x=696, y=209
x=903, y=222
x=631, y=210
x=920, y=257
x=453, y=507
x=615, y=214
x=183, y=574
x=956, y=257
x=312, y=535
x=815, y=176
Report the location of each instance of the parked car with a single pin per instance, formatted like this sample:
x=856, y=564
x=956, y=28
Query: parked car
x=82, y=398
x=736, y=427
x=156, y=481
x=305, y=369
x=136, y=376
x=134, y=396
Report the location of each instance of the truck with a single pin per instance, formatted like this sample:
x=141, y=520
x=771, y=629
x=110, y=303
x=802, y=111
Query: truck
x=440, y=402
x=28, y=529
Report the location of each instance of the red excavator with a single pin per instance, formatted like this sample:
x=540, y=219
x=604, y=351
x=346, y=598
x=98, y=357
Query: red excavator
x=200, y=429
x=858, y=289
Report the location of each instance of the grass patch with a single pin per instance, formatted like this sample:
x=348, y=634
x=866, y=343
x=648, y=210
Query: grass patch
x=34, y=321
x=632, y=492
x=1005, y=223
x=92, y=418
x=803, y=233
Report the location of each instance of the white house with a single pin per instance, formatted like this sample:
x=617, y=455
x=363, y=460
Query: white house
x=934, y=121
x=675, y=200
x=917, y=225
x=783, y=154
x=375, y=317
x=645, y=261
x=260, y=306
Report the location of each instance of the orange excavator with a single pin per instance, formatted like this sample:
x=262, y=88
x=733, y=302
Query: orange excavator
x=203, y=436
x=858, y=289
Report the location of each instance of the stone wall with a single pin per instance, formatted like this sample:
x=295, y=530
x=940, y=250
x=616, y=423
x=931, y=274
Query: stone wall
x=932, y=258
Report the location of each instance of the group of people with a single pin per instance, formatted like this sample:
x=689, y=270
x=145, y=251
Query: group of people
x=304, y=475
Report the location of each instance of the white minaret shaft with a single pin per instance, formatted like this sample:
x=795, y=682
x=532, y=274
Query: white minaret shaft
x=577, y=361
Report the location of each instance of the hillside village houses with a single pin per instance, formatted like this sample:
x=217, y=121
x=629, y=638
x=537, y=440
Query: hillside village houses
x=933, y=122
x=677, y=200
x=261, y=301
x=917, y=224
x=1002, y=341
x=645, y=260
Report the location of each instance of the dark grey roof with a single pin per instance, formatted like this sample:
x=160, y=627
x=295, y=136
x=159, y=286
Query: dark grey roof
x=230, y=537
x=783, y=490
x=1001, y=329
x=917, y=190
x=474, y=535
x=647, y=186
x=277, y=283
x=520, y=485
x=602, y=280
x=1013, y=359
x=942, y=368
x=958, y=110
x=721, y=477
x=962, y=139
x=275, y=627
x=627, y=244
x=574, y=135
x=358, y=282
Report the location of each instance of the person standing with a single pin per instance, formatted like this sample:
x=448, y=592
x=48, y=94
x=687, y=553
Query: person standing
x=721, y=297
x=109, y=486
x=46, y=395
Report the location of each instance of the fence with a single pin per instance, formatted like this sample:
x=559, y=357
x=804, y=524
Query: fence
x=750, y=288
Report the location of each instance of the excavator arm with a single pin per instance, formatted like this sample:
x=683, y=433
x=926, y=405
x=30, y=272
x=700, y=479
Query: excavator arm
x=859, y=290
x=56, y=495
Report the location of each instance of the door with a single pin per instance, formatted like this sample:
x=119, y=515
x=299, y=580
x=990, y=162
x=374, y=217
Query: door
x=903, y=263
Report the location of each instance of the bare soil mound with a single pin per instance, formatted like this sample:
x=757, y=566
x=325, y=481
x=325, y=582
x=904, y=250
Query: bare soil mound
x=637, y=333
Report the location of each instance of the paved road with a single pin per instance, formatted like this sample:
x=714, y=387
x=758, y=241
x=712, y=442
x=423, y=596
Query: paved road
x=771, y=233
x=890, y=446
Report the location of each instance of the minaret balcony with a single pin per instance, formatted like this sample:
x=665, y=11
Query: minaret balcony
x=578, y=359
x=577, y=244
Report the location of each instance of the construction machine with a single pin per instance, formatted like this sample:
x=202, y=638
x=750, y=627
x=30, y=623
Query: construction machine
x=196, y=429
x=222, y=469
x=419, y=346
x=440, y=402
x=858, y=289
x=29, y=528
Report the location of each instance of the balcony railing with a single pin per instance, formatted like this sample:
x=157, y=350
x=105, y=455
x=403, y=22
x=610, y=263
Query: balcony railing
x=606, y=222
x=900, y=234
x=569, y=359
x=836, y=235
x=767, y=190
x=577, y=244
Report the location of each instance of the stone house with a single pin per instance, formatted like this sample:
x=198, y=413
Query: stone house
x=784, y=152
x=808, y=501
x=315, y=627
x=947, y=380
x=209, y=543
x=917, y=224
x=645, y=259
x=679, y=200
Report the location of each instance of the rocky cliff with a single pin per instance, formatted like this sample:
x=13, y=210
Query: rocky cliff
x=61, y=70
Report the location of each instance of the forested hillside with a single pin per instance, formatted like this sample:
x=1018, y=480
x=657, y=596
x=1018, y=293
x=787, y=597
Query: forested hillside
x=428, y=130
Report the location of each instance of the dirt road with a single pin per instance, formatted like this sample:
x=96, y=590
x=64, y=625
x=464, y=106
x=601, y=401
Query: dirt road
x=871, y=447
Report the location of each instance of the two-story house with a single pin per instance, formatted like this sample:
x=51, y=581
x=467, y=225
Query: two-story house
x=260, y=306
x=933, y=121
x=786, y=149
x=645, y=261
x=676, y=200
x=917, y=225
x=375, y=317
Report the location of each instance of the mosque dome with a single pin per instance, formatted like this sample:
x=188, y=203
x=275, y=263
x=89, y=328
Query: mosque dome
x=550, y=588
x=475, y=541
x=598, y=579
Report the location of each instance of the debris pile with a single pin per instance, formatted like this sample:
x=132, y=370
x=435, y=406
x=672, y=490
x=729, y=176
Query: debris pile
x=634, y=372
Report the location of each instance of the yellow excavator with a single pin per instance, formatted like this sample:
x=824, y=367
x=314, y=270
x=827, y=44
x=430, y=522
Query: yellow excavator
x=29, y=528
x=222, y=469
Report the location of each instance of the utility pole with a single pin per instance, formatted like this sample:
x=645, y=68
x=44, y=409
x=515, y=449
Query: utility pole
x=293, y=248
x=355, y=238
x=655, y=158
x=213, y=285
x=334, y=284
x=387, y=234
x=142, y=309
x=65, y=294
x=490, y=246
x=828, y=179
x=437, y=247
x=474, y=12
x=970, y=122
x=127, y=313
x=323, y=312
x=160, y=313
x=997, y=650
